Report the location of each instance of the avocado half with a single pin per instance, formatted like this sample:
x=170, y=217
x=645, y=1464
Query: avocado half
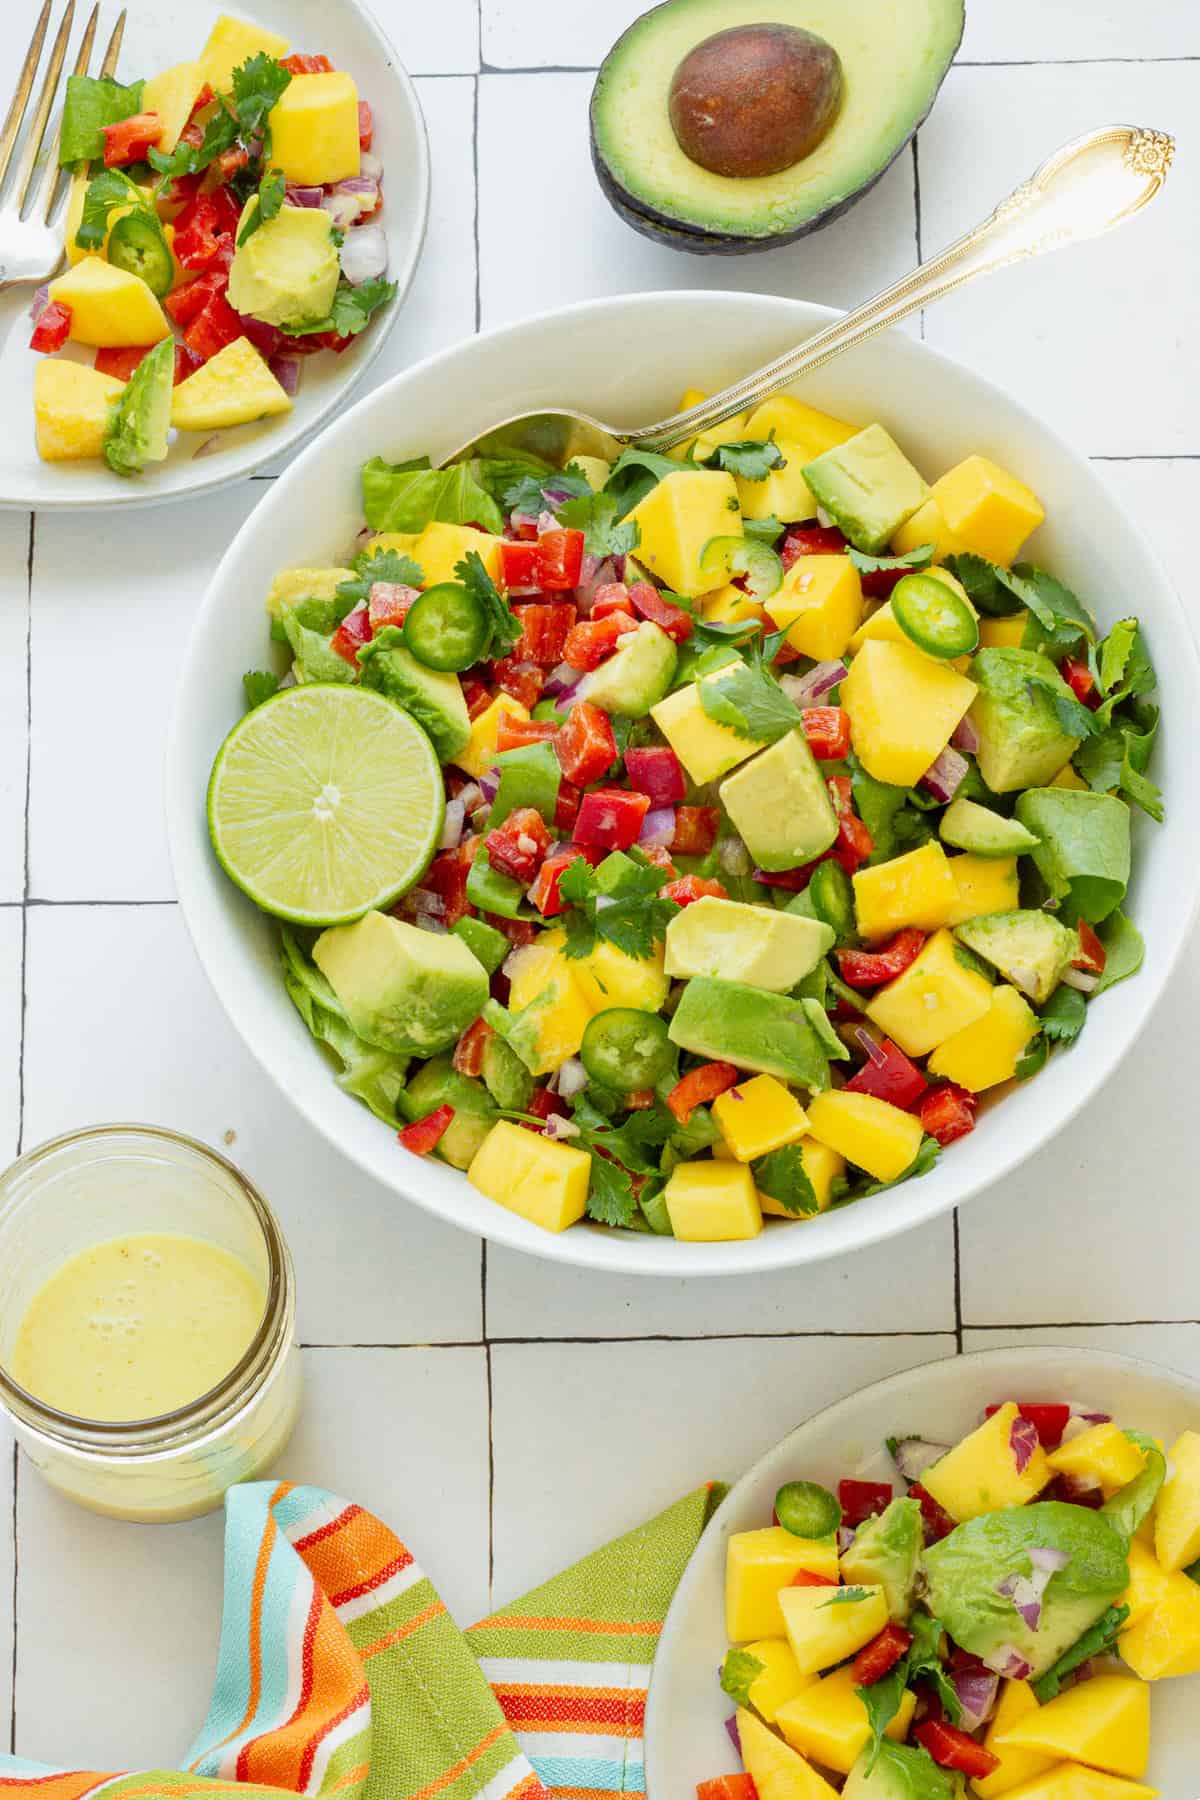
x=893, y=60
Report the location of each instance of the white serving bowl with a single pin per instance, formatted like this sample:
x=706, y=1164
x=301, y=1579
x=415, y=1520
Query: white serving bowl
x=686, y=1740
x=628, y=359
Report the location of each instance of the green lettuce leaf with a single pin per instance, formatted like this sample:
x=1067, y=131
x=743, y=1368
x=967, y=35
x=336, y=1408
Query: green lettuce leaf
x=407, y=496
x=91, y=103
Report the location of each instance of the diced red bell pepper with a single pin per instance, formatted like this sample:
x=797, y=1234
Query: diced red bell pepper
x=544, y=629
x=727, y=1787
x=518, y=847
x=212, y=329
x=1048, y=1418
x=201, y=225
x=661, y=858
x=693, y=887
x=477, y=696
x=810, y=540
x=700, y=1086
x=936, y=1520
x=230, y=162
x=794, y=880
x=1092, y=954
x=870, y=968
x=389, y=603
x=695, y=830
x=514, y=734
x=446, y=876
x=366, y=125
x=566, y=808
x=120, y=364
x=953, y=1749
x=948, y=1112
x=862, y=1499
x=186, y=363
x=1080, y=680
x=300, y=64
x=518, y=566
x=188, y=300
x=354, y=631
x=425, y=1134
x=544, y=893
x=468, y=1052
x=560, y=559
x=589, y=642
x=53, y=327
x=854, y=841
x=523, y=680
x=807, y=1578
x=650, y=604
x=585, y=745
x=204, y=98
x=611, y=818
x=129, y=139
x=543, y=1104
x=882, y=1653
x=657, y=771
x=610, y=597
x=827, y=729
x=893, y=1077
x=640, y=1100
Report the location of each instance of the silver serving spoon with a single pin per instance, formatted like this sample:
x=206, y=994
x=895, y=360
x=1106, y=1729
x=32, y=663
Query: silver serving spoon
x=1084, y=189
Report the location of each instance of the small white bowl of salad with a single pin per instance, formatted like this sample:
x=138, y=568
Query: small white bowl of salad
x=706, y=853
x=977, y=1578
x=239, y=229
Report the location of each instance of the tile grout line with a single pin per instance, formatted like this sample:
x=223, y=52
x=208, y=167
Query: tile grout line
x=649, y=1337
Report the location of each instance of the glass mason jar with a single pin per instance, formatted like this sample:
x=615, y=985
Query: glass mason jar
x=111, y=1181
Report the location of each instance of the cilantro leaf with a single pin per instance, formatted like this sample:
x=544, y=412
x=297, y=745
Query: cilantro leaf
x=886, y=811
x=1117, y=758
x=1063, y=617
x=535, y=493
x=1064, y=1015
x=767, y=531
x=104, y=193
x=271, y=190
x=259, y=684
x=257, y=84
x=618, y=1154
x=739, y=1672
x=351, y=311
x=596, y=516
x=610, y=1199
x=1097, y=1641
x=882, y=1700
x=751, y=702
x=752, y=458
x=1114, y=653
x=634, y=474
x=781, y=1175
x=1034, y=1059
x=371, y=566
x=634, y=916
x=925, y=1663
x=504, y=623
x=928, y=1152
x=919, y=558
x=982, y=580
x=220, y=134
x=1073, y=716
x=845, y=1596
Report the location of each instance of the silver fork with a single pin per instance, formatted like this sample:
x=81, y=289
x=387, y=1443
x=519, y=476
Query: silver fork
x=31, y=245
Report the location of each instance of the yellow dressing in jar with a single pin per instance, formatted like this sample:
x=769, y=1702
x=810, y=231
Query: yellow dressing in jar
x=137, y=1326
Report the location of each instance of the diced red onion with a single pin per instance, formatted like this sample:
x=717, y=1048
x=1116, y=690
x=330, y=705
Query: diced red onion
x=562, y=681
x=546, y=521
x=735, y=1736
x=944, y=776
x=286, y=370
x=39, y=303
x=470, y=795
x=1081, y=979
x=658, y=826
x=1008, y=1662
x=559, y=1126
x=371, y=166
x=343, y=209
x=512, y=964
x=1042, y=1556
x=1026, y=1591
x=1092, y=1416
x=364, y=254
x=845, y=1537
x=914, y=1455
x=966, y=737
x=391, y=593
x=424, y=900
x=1023, y=1440
x=874, y=1050
x=618, y=563
x=208, y=446
x=489, y=783
x=733, y=856
x=572, y=1078
x=452, y=825
x=587, y=569
x=976, y=1695
x=804, y=689
x=304, y=196
x=602, y=573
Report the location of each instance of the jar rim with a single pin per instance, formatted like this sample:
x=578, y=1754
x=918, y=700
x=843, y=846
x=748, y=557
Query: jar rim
x=155, y=1432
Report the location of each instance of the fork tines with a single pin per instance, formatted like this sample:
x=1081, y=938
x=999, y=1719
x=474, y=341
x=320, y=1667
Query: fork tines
x=33, y=123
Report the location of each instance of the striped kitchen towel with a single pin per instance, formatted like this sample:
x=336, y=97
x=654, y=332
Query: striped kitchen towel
x=341, y=1672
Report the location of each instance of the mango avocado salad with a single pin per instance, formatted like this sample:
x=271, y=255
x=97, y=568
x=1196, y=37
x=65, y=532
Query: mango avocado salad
x=998, y=1623
x=231, y=200
x=691, y=843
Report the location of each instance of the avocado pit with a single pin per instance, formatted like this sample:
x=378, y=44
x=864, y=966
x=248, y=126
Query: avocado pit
x=755, y=99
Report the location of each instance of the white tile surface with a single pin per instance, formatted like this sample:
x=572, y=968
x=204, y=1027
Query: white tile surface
x=10, y=1032
x=540, y=34
x=1176, y=1346
x=433, y=40
x=1127, y=385
x=1078, y=30
x=14, y=629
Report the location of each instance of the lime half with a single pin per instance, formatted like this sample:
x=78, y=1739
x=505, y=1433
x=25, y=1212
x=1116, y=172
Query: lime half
x=324, y=802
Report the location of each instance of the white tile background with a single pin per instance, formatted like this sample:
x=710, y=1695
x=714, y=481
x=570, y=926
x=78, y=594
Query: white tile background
x=507, y=1415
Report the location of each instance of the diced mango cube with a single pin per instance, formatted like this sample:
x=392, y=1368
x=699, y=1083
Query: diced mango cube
x=1104, y=1722
x=1166, y=1638
x=814, y=432
x=440, y=547
x=712, y=1202
x=904, y=707
x=728, y=432
x=986, y=1472
x=314, y=129
x=914, y=889
x=110, y=308
x=608, y=977
x=1003, y=634
x=988, y=509
x=729, y=605
x=706, y=748
x=759, y=1565
x=986, y=884
x=1067, y=778
x=480, y=751
x=1177, y=1514
x=780, y=1680
x=1147, y=1579
x=1073, y=1781
x=73, y=217
x=1101, y=1453
x=543, y=1180
x=927, y=526
x=823, y=1167
x=403, y=542
x=759, y=1115
x=828, y=1722
x=784, y=493
x=819, y=605
x=71, y=407
x=231, y=388
x=883, y=622
x=826, y=1625
x=873, y=1134
x=232, y=42
x=546, y=995
x=305, y=584
x=776, y=1770
x=678, y=518
x=1016, y=1700
x=937, y=995
x=986, y=1053
x=172, y=96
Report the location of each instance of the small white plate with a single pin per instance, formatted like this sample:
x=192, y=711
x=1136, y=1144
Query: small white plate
x=155, y=38
x=686, y=1741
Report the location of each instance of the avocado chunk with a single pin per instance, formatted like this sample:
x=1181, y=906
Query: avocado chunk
x=732, y=1022
x=1084, y=853
x=886, y=1552
x=376, y=1077
x=867, y=486
x=136, y=433
x=968, y=826
x=753, y=944
x=505, y=1076
x=435, y=700
x=780, y=804
x=1021, y=741
x=406, y=990
x=811, y=149
x=966, y=1570
x=1030, y=949
x=900, y=1772
x=636, y=677
x=307, y=626
x=1130, y=1505
x=287, y=271
x=440, y=1084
